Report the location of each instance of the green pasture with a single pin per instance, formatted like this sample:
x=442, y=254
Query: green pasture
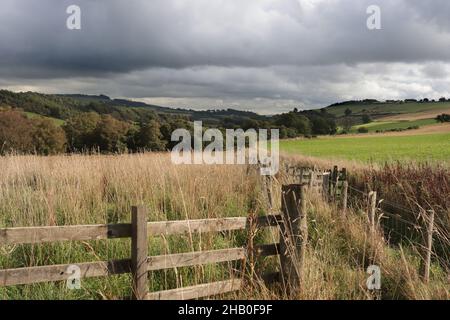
x=388, y=108
x=390, y=125
x=32, y=115
x=429, y=147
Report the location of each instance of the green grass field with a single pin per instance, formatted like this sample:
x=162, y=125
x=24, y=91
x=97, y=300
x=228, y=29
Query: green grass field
x=430, y=147
x=389, y=125
x=32, y=115
x=389, y=108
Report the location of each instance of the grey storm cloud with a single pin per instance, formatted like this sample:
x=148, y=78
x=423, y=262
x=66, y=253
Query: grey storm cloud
x=266, y=55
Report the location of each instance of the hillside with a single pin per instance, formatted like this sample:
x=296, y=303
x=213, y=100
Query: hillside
x=134, y=125
x=57, y=123
x=63, y=106
x=383, y=109
x=374, y=116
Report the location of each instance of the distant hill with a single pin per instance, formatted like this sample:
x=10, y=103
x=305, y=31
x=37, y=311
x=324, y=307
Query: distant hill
x=144, y=119
x=63, y=106
x=380, y=116
x=119, y=102
x=377, y=109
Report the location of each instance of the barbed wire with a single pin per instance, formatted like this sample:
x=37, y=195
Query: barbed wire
x=392, y=204
x=357, y=190
x=398, y=218
x=387, y=202
x=386, y=212
x=399, y=206
x=393, y=223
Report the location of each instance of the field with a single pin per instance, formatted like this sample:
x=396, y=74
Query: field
x=73, y=190
x=32, y=115
x=100, y=189
x=374, y=148
x=391, y=116
x=68, y=190
x=383, y=125
x=385, y=109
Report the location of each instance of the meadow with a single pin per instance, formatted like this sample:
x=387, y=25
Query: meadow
x=73, y=190
x=392, y=125
x=78, y=189
x=374, y=148
x=32, y=115
x=384, y=109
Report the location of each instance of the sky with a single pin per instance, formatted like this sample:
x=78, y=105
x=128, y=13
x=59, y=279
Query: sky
x=267, y=56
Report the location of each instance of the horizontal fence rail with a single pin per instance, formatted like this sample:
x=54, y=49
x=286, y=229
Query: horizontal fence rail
x=35, y=235
x=198, y=291
x=30, y=275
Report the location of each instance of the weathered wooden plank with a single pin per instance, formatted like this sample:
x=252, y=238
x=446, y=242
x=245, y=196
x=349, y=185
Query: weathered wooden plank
x=194, y=258
x=208, y=225
x=139, y=252
x=34, y=235
x=198, y=291
x=293, y=236
x=11, y=277
x=192, y=226
x=344, y=198
x=31, y=235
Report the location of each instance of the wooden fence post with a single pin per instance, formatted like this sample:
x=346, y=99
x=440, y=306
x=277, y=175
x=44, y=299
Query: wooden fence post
x=334, y=178
x=419, y=193
x=344, y=198
x=312, y=176
x=372, y=210
x=326, y=185
x=294, y=236
x=269, y=191
x=429, y=246
x=344, y=174
x=139, y=253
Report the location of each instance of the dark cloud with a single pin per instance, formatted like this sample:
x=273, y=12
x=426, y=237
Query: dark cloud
x=262, y=54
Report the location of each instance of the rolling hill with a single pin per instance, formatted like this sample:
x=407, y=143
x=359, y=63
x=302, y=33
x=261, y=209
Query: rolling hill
x=64, y=106
x=387, y=116
x=384, y=109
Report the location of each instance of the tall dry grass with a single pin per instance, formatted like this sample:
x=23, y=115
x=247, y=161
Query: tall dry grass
x=340, y=250
x=406, y=189
x=77, y=189
x=411, y=190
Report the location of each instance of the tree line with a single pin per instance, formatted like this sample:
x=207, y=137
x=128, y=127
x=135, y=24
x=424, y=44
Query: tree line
x=98, y=123
x=91, y=131
x=83, y=132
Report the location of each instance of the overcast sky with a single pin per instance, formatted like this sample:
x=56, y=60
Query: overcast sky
x=262, y=55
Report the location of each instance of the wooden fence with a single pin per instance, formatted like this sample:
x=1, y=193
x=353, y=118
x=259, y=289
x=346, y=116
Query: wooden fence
x=140, y=264
x=291, y=223
x=381, y=214
x=314, y=178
